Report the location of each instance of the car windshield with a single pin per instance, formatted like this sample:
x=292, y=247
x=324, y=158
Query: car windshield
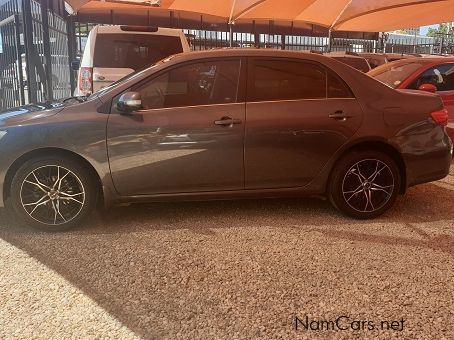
x=393, y=74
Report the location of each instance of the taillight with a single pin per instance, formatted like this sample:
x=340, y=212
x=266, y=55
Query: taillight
x=440, y=117
x=86, y=80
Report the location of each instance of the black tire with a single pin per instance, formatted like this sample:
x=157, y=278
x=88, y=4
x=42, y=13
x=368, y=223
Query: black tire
x=48, y=204
x=364, y=184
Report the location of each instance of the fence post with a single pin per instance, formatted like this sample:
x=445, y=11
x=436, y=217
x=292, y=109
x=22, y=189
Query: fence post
x=46, y=48
x=72, y=42
x=29, y=55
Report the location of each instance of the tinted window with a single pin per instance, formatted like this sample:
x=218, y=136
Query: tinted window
x=337, y=87
x=206, y=83
x=133, y=50
x=442, y=76
x=285, y=80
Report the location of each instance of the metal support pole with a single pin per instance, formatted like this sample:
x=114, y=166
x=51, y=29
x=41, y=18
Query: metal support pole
x=17, y=30
x=46, y=48
x=330, y=37
x=29, y=55
x=72, y=49
x=231, y=23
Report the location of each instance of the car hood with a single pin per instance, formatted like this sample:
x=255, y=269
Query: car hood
x=29, y=112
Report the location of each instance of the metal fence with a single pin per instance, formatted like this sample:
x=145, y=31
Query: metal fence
x=34, y=56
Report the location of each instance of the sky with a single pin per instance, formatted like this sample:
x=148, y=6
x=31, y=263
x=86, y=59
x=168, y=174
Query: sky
x=424, y=29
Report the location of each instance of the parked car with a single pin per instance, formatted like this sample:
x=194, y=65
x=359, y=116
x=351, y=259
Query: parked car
x=113, y=52
x=378, y=59
x=223, y=124
x=351, y=59
x=427, y=74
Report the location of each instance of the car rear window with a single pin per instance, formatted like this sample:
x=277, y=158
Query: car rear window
x=133, y=51
x=358, y=63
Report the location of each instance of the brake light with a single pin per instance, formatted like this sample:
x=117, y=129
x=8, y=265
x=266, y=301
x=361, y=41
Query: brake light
x=86, y=80
x=440, y=117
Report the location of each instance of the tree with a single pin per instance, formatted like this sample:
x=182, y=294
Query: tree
x=442, y=29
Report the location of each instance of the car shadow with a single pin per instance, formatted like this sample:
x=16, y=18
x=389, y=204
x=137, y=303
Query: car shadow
x=110, y=241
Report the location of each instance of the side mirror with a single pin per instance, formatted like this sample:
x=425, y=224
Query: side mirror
x=129, y=101
x=428, y=88
x=75, y=65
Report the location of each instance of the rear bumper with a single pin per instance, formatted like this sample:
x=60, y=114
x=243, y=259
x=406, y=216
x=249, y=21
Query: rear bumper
x=429, y=167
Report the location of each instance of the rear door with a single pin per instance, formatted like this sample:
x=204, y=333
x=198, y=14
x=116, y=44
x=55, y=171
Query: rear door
x=298, y=115
x=118, y=54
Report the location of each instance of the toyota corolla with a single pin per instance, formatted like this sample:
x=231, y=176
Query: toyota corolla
x=223, y=124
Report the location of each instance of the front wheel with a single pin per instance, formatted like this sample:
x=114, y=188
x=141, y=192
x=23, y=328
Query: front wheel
x=52, y=194
x=364, y=184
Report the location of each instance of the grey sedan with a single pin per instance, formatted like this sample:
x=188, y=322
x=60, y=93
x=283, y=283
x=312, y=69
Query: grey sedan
x=223, y=124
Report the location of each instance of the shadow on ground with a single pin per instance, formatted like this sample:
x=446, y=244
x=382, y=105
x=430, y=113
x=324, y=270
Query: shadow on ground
x=129, y=259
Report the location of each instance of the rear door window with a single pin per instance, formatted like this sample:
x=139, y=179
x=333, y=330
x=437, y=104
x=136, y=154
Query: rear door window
x=286, y=80
x=133, y=51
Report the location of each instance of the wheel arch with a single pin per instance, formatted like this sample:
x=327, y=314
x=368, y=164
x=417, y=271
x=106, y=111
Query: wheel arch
x=53, y=151
x=382, y=146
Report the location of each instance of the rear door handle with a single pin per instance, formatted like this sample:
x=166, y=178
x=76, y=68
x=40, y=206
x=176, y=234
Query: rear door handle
x=227, y=121
x=339, y=115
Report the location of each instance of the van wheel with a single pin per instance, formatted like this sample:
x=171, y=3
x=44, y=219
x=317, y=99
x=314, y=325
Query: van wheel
x=52, y=194
x=364, y=184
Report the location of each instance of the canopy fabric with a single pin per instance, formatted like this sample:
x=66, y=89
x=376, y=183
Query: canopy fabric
x=345, y=15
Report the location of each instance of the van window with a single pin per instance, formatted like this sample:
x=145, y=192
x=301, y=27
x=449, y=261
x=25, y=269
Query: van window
x=133, y=51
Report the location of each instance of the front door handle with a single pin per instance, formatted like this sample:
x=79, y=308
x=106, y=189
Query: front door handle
x=227, y=121
x=340, y=115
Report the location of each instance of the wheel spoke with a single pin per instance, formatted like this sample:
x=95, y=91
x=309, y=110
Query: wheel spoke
x=71, y=199
x=71, y=195
x=37, y=202
x=355, y=193
x=376, y=173
x=39, y=183
x=38, y=205
x=376, y=187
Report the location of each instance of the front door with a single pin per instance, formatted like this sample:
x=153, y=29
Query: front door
x=187, y=138
x=298, y=115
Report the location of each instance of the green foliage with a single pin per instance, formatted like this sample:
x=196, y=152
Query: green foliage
x=442, y=29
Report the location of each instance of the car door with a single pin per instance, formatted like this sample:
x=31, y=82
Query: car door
x=442, y=76
x=189, y=135
x=298, y=113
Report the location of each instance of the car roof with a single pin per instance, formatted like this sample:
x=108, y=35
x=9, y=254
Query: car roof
x=250, y=52
x=429, y=60
x=110, y=29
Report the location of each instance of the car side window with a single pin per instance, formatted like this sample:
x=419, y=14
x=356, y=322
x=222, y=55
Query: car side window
x=337, y=88
x=211, y=82
x=286, y=80
x=442, y=76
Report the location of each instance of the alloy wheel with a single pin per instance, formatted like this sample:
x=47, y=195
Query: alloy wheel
x=52, y=195
x=368, y=185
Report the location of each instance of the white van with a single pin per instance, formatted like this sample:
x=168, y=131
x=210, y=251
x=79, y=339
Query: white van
x=113, y=52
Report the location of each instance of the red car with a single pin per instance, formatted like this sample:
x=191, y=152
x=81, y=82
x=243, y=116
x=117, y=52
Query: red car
x=426, y=74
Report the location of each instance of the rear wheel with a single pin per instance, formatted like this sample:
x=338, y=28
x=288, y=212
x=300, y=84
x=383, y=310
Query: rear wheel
x=53, y=194
x=364, y=184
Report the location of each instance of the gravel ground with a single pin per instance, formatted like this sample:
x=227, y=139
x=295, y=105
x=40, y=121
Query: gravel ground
x=235, y=270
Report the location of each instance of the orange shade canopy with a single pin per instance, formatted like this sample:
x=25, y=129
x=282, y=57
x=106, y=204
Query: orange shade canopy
x=345, y=15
